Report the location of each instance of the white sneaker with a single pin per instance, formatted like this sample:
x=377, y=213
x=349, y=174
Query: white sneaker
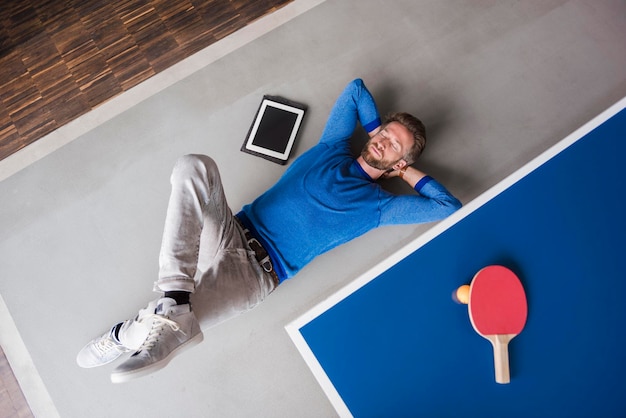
x=101, y=350
x=109, y=346
x=174, y=328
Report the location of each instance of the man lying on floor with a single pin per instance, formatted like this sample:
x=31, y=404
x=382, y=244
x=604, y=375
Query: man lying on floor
x=324, y=199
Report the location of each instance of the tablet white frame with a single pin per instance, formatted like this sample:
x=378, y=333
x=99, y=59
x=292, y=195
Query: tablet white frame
x=257, y=122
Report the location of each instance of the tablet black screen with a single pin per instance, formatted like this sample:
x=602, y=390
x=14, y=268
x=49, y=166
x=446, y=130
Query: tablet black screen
x=275, y=129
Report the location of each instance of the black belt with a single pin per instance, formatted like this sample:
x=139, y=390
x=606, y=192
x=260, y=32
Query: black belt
x=260, y=253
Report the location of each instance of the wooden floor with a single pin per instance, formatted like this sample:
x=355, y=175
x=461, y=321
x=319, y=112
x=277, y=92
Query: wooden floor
x=12, y=401
x=61, y=58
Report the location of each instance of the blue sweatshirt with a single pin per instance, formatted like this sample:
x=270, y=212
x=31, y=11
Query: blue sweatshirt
x=325, y=199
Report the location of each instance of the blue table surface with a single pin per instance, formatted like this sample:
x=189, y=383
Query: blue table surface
x=400, y=347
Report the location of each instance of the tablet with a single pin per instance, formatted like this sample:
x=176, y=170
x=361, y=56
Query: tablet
x=274, y=129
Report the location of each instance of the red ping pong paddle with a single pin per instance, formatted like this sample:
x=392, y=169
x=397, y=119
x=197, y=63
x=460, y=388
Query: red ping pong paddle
x=498, y=310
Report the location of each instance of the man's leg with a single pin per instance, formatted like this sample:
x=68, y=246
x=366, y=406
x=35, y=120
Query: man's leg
x=197, y=209
x=197, y=206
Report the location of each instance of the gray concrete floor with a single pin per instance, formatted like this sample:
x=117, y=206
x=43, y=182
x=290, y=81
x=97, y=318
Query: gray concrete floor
x=496, y=82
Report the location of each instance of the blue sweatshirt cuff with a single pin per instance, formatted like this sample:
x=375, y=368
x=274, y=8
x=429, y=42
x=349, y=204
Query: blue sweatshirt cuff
x=369, y=127
x=422, y=182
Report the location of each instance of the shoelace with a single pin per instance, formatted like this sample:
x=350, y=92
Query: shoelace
x=104, y=345
x=158, y=323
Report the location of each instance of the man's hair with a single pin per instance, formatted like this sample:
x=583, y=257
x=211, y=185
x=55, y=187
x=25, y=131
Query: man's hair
x=416, y=128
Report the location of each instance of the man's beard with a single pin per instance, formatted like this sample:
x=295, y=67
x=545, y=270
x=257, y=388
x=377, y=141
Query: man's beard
x=372, y=161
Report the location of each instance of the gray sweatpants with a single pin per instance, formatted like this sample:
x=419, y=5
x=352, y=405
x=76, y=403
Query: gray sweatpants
x=204, y=251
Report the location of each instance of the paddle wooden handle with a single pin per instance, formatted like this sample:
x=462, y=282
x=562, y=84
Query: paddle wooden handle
x=500, y=345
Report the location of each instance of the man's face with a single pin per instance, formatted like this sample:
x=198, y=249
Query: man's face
x=388, y=146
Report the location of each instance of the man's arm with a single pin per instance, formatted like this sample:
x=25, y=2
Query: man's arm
x=433, y=202
x=355, y=104
x=409, y=174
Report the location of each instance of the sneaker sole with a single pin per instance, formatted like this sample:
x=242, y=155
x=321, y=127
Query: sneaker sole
x=134, y=374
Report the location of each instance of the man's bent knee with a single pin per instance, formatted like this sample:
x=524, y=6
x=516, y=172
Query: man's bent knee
x=194, y=165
